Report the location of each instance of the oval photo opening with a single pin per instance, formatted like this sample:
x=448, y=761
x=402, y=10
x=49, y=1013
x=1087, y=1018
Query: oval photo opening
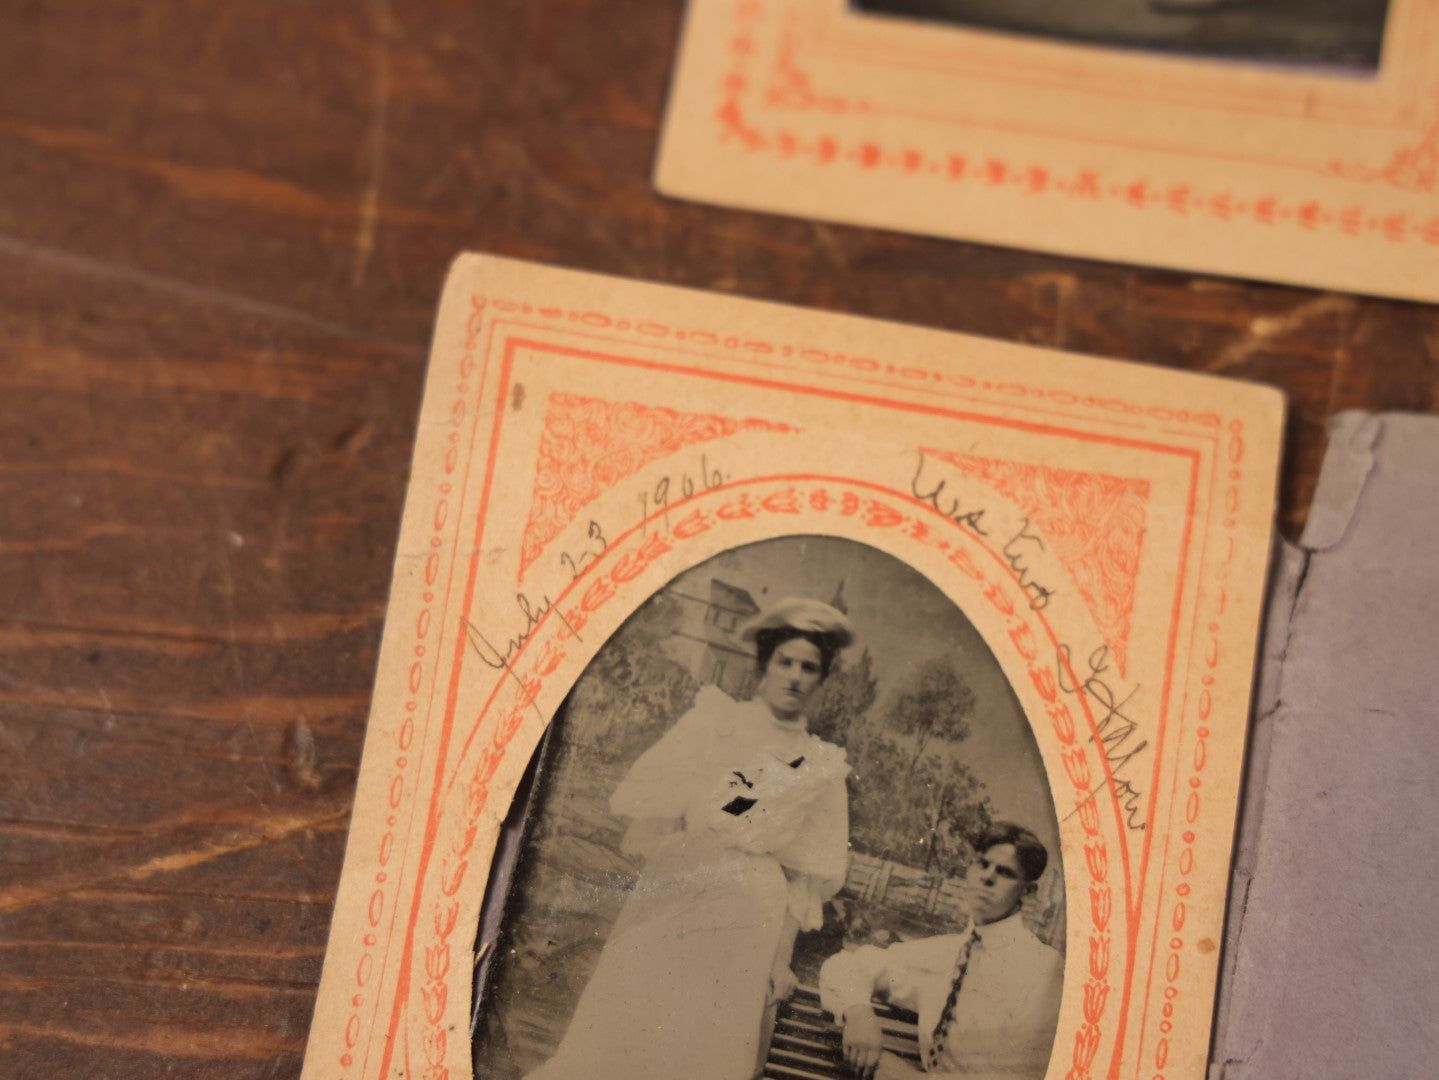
x=790, y=822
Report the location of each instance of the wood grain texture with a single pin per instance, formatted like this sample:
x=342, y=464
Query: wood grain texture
x=223, y=231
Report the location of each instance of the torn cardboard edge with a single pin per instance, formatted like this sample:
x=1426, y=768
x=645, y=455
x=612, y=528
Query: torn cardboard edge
x=1363, y=557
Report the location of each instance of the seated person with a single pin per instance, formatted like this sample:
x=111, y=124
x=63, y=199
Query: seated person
x=987, y=998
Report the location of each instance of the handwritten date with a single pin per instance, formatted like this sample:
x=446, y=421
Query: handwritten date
x=676, y=488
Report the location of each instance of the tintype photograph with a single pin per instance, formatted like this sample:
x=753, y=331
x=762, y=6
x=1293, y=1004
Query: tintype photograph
x=1340, y=33
x=791, y=821
x=908, y=752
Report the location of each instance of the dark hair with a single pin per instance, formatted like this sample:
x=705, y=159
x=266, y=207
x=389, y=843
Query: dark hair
x=767, y=641
x=1028, y=851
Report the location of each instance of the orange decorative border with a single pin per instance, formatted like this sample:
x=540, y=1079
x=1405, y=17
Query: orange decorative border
x=1397, y=102
x=814, y=98
x=1179, y=862
x=405, y=776
x=1407, y=109
x=742, y=116
x=1055, y=499
x=424, y=863
x=582, y=455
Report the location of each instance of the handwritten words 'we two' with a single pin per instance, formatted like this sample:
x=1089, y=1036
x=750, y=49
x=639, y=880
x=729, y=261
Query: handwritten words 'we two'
x=1118, y=731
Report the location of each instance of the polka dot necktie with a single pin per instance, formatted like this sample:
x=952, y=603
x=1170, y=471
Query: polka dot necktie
x=942, y=1029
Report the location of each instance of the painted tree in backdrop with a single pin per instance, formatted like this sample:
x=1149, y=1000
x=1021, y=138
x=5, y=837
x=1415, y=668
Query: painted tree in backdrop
x=842, y=699
x=937, y=704
x=913, y=799
x=632, y=691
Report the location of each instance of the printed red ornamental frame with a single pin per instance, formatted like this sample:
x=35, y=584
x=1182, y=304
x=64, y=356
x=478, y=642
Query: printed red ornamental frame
x=394, y=997
x=1291, y=174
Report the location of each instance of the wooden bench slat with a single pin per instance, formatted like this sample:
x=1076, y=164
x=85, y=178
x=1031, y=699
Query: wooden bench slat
x=807, y=1044
x=897, y=1028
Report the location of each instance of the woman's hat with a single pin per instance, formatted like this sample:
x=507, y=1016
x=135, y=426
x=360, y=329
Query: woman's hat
x=797, y=613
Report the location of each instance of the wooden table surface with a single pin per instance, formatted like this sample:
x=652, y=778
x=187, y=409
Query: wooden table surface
x=223, y=231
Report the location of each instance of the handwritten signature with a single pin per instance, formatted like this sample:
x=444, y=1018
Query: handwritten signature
x=1018, y=550
x=1015, y=554
x=948, y=505
x=1116, y=730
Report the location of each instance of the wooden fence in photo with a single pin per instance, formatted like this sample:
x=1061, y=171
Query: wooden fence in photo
x=932, y=903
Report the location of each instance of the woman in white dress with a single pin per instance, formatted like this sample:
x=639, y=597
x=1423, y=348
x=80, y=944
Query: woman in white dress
x=743, y=819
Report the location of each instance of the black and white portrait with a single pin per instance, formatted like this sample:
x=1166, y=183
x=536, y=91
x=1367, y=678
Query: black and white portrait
x=790, y=821
x=1339, y=33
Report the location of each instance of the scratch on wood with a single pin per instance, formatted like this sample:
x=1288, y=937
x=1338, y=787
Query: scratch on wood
x=1431, y=346
x=1058, y=289
x=370, y=200
x=1337, y=376
x=23, y=896
x=185, y=639
x=1063, y=286
x=109, y=709
x=353, y=438
x=70, y=830
x=191, y=1041
x=1266, y=328
x=201, y=294
x=300, y=745
x=232, y=638
x=831, y=245
x=259, y=708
